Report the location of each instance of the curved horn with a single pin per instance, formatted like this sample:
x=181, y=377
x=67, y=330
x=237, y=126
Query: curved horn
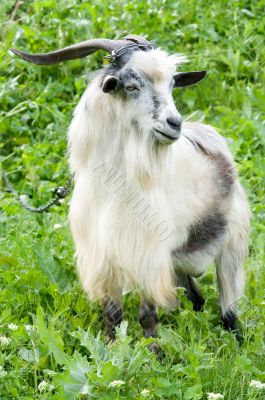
x=78, y=50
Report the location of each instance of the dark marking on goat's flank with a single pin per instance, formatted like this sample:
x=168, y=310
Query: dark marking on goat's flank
x=226, y=174
x=199, y=147
x=209, y=228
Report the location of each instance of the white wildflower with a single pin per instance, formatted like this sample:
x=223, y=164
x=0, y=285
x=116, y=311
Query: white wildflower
x=42, y=386
x=145, y=392
x=4, y=340
x=257, y=384
x=57, y=226
x=28, y=328
x=116, y=383
x=215, y=396
x=12, y=327
x=2, y=372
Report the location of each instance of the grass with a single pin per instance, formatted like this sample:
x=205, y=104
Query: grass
x=54, y=349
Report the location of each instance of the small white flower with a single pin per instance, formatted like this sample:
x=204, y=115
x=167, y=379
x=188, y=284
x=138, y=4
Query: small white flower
x=42, y=386
x=2, y=372
x=12, y=327
x=57, y=226
x=4, y=340
x=215, y=396
x=28, y=328
x=145, y=392
x=116, y=383
x=257, y=384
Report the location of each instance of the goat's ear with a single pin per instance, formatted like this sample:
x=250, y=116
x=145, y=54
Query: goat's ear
x=110, y=83
x=188, y=78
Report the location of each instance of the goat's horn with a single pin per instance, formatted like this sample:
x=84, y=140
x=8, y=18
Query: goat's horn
x=78, y=50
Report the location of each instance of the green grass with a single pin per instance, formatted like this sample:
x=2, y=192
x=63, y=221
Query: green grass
x=57, y=338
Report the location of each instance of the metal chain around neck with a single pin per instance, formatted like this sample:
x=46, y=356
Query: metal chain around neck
x=60, y=193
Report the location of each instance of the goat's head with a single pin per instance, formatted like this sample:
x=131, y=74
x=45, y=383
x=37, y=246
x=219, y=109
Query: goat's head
x=140, y=76
x=145, y=83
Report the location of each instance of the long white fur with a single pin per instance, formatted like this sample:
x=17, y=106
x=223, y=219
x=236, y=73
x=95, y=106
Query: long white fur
x=115, y=250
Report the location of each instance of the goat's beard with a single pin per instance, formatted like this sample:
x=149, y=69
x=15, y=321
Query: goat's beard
x=140, y=157
x=105, y=130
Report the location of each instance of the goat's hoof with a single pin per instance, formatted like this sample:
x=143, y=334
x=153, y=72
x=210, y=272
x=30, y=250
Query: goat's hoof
x=230, y=323
x=154, y=348
x=239, y=336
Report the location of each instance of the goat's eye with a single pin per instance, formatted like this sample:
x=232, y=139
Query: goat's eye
x=131, y=88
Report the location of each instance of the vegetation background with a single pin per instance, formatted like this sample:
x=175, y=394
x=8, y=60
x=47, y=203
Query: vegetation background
x=49, y=342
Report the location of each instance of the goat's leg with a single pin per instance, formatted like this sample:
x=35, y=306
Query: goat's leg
x=112, y=316
x=194, y=294
x=148, y=319
x=230, y=279
x=149, y=322
x=229, y=320
x=229, y=263
x=193, y=291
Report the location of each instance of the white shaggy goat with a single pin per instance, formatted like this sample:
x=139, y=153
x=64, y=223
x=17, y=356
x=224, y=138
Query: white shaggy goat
x=155, y=200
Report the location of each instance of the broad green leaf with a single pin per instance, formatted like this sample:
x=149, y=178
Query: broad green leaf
x=74, y=380
x=50, y=338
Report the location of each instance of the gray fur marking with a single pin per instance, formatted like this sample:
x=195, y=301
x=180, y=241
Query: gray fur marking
x=225, y=169
x=209, y=228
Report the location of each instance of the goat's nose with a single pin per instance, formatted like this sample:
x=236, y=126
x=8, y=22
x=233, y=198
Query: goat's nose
x=174, y=123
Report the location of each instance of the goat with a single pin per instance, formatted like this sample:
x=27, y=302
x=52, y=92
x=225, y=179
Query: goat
x=127, y=141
